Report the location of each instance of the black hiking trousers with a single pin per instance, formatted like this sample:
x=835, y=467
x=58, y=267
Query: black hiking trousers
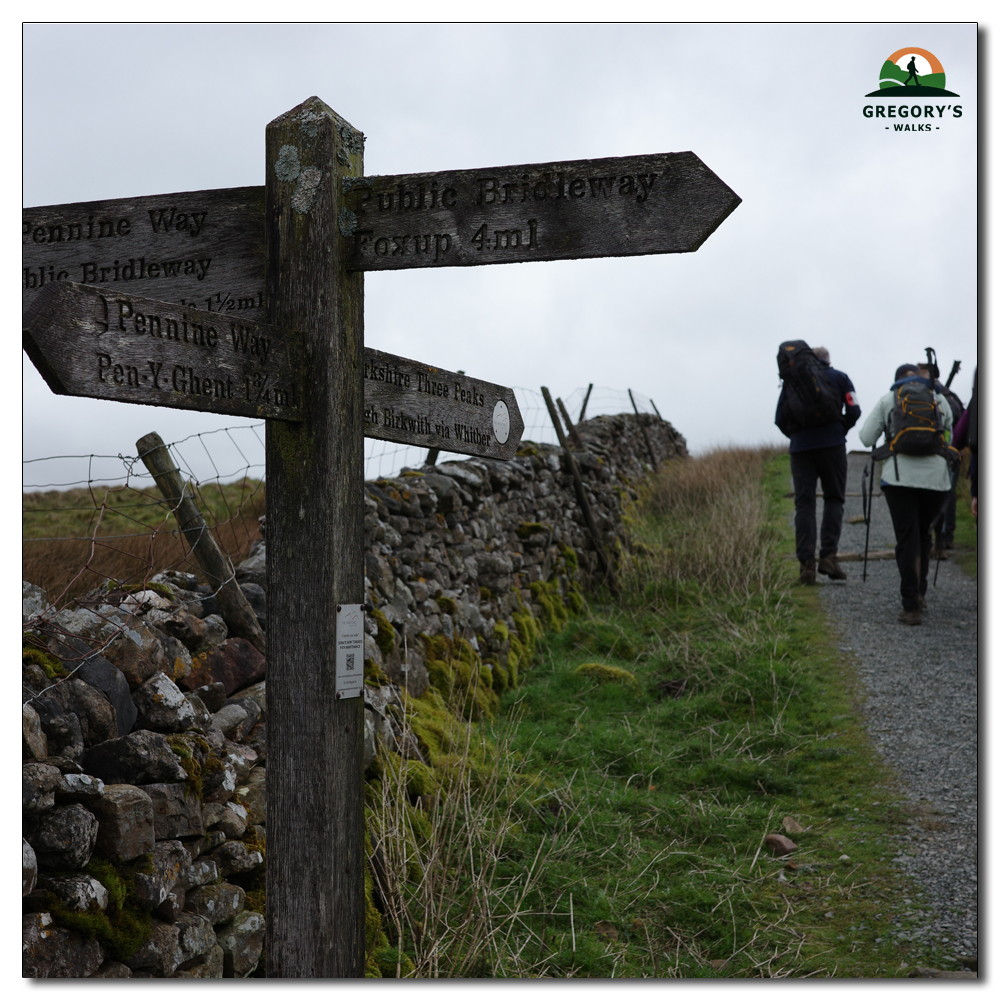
x=913, y=511
x=829, y=466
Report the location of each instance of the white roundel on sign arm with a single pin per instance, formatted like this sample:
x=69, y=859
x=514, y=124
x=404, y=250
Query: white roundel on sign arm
x=501, y=422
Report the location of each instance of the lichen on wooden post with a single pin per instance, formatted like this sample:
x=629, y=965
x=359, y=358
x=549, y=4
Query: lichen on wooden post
x=315, y=474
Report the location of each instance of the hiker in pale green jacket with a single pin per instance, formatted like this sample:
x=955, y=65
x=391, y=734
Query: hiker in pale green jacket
x=915, y=487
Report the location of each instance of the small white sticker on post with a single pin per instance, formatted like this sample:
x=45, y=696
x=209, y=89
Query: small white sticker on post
x=350, y=650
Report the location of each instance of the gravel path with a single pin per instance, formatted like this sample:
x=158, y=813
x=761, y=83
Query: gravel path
x=922, y=714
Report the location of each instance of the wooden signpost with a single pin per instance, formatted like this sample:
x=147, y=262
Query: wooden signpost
x=88, y=342
x=249, y=301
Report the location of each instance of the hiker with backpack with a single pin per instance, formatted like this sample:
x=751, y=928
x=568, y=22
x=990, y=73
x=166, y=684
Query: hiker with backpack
x=816, y=409
x=917, y=473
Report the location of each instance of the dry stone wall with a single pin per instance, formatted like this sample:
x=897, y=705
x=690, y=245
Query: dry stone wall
x=144, y=723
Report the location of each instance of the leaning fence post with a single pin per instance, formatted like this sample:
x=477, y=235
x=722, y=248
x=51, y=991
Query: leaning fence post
x=236, y=610
x=573, y=436
x=645, y=433
x=581, y=495
x=583, y=409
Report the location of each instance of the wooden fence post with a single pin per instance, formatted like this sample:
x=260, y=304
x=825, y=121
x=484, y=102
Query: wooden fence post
x=581, y=495
x=215, y=564
x=573, y=436
x=586, y=399
x=645, y=433
x=315, y=479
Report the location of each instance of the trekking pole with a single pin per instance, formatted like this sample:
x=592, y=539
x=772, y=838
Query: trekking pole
x=868, y=513
x=955, y=365
x=939, y=520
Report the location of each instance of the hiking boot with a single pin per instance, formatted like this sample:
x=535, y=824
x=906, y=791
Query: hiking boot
x=911, y=617
x=829, y=566
x=938, y=552
x=922, y=603
x=807, y=572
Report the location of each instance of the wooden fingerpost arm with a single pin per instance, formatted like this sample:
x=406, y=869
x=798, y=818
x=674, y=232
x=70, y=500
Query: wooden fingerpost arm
x=645, y=433
x=215, y=564
x=581, y=495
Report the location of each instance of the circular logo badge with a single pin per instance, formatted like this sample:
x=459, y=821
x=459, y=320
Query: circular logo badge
x=501, y=422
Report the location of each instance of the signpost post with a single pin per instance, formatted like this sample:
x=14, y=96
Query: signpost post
x=250, y=301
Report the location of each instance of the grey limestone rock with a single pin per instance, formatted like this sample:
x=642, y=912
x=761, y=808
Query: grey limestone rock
x=197, y=936
x=201, y=872
x=234, y=856
x=29, y=868
x=161, y=953
x=162, y=706
x=253, y=796
x=219, y=903
x=78, y=892
x=38, y=786
x=65, y=837
x=140, y=758
x=241, y=942
x=79, y=788
x=50, y=952
x=126, y=822
x=177, y=810
x=233, y=821
x=209, y=966
x=34, y=741
x=34, y=601
x=170, y=865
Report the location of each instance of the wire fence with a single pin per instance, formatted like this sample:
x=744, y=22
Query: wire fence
x=99, y=521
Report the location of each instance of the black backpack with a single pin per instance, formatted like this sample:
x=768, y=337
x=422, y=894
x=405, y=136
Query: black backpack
x=810, y=398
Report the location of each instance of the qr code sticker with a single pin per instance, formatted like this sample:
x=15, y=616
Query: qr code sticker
x=350, y=661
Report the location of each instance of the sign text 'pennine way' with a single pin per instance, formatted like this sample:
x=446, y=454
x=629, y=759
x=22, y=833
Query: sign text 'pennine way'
x=202, y=249
x=89, y=342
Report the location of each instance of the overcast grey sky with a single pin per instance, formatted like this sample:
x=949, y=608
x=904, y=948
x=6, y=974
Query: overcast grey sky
x=849, y=235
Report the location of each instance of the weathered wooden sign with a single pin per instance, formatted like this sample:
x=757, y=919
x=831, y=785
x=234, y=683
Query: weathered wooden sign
x=96, y=342
x=202, y=249
x=614, y=207
x=205, y=249
x=194, y=339
x=414, y=403
x=89, y=342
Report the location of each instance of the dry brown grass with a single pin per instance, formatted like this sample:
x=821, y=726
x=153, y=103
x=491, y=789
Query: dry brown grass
x=706, y=520
x=76, y=540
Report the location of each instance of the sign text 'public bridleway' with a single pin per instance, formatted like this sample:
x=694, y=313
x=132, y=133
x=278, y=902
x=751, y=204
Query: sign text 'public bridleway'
x=205, y=249
x=614, y=207
x=88, y=342
x=202, y=249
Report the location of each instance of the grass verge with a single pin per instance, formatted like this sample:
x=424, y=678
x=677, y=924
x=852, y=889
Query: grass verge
x=726, y=708
x=966, y=552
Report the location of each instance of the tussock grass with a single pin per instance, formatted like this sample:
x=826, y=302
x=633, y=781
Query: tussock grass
x=460, y=893
x=705, y=524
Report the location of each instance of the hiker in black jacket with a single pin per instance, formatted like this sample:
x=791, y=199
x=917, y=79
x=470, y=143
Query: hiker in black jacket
x=820, y=453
